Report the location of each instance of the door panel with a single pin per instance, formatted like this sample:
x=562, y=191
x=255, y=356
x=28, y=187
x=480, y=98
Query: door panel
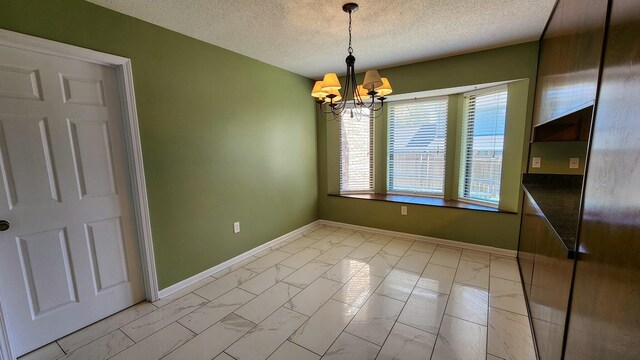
x=92, y=157
x=35, y=184
x=105, y=241
x=71, y=254
x=569, y=59
x=46, y=270
x=85, y=91
x=20, y=83
x=547, y=275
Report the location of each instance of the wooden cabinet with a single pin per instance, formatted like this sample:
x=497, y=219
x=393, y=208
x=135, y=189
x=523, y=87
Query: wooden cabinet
x=568, y=66
x=590, y=308
x=605, y=308
x=546, y=273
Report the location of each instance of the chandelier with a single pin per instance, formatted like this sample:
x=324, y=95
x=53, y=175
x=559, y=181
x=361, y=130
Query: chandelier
x=354, y=96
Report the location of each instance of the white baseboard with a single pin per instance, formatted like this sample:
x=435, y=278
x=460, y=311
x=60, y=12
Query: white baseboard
x=197, y=277
x=460, y=244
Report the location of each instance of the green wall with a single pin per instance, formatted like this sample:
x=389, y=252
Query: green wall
x=554, y=157
x=224, y=137
x=485, y=228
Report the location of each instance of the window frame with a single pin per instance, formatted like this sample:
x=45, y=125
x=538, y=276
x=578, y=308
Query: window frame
x=446, y=98
x=372, y=175
x=463, y=136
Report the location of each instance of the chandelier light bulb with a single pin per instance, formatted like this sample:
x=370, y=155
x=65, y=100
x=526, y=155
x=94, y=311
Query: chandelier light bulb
x=384, y=89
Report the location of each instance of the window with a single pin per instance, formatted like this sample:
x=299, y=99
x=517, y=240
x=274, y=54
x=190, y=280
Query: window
x=483, y=145
x=356, y=151
x=417, y=146
x=440, y=150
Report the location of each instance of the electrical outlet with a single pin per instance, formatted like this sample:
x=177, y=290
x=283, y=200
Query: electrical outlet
x=535, y=162
x=236, y=227
x=574, y=163
x=403, y=210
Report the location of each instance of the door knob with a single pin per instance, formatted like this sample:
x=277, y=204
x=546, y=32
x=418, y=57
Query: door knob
x=4, y=225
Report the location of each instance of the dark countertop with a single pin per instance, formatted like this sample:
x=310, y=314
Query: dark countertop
x=558, y=197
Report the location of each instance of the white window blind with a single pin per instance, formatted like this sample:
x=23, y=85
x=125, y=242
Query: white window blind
x=484, y=121
x=417, y=146
x=356, y=151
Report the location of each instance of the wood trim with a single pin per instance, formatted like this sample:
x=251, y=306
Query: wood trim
x=134, y=152
x=575, y=126
x=425, y=201
x=589, y=139
x=5, y=341
x=197, y=277
x=460, y=244
x=50, y=47
x=138, y=182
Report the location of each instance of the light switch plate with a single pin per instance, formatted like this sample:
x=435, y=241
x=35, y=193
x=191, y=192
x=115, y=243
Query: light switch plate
x=574, y=163
x=236, y=227
x=535, y=162
x=403, y=210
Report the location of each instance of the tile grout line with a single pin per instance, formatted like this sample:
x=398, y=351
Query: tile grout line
x=273, y=312
x=438, y=292
x=509, y=311
x=186, y=342
x=374, y=292
x=280, y=307
x=403, y=306
x=446, y=304
x=369, y=341
x=67, y=353
x=343, y=284
x=233, y=357
x=130, y=307
x=176, y=321
x=200, y=307
x=323, y=304
x=125, y=334
x=331, y=298
x=180, y=297
x=405, y=303
x=123, y=350
x=256, y=325
x=488, y=312
x=265, y=290
x=238, y=339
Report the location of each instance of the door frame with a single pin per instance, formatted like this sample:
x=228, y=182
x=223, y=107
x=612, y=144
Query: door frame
x=124, y=74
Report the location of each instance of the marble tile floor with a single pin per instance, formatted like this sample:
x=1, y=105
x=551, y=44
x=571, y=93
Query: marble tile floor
x=329, y=293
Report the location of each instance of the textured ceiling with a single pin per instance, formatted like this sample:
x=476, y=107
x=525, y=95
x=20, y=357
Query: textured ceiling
x=309, y=37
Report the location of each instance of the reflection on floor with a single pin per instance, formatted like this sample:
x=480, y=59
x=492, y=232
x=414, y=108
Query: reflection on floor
x=331, y=293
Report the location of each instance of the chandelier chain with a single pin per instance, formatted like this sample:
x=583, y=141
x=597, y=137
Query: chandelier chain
x=350, y=49
x=354, y=98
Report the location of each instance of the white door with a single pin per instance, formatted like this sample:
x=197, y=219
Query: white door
x=70, y=256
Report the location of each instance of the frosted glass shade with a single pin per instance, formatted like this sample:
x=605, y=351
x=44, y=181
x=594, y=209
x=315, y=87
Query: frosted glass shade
x=384, y=89
x=317, y=90
x=330, y=82
x=362, y=92
x=372, y=80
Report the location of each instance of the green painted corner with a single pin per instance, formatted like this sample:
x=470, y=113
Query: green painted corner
x=214, y=152
x=517, y=62
x=555, y=156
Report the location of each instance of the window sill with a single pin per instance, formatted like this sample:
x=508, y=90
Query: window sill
x=427, y=201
